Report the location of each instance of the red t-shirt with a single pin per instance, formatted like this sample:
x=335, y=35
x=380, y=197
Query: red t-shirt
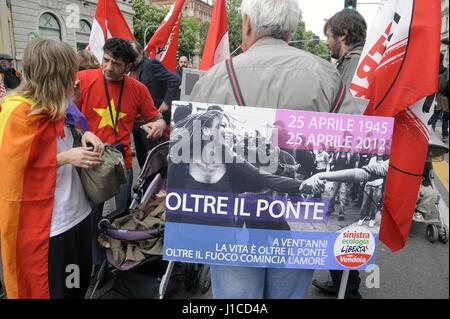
x=93, y=103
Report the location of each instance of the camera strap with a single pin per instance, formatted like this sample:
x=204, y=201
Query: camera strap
x=234, y=83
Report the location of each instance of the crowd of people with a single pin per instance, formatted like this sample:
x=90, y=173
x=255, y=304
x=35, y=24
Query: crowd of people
x=127, y=95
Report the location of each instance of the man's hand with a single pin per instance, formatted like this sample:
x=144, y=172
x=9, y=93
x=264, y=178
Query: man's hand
x=163, y=108
x=313, y=185
x=155, y=129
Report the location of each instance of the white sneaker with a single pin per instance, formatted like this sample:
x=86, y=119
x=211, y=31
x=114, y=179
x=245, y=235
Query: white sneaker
x=371, y=223
x=360, y=222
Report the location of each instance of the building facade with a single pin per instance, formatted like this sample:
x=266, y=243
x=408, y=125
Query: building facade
x=444, y=30
x=201, y=9
x=69, y=21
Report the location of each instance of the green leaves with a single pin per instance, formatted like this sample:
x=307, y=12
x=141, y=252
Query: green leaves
x=308, y=42
x=147, y=17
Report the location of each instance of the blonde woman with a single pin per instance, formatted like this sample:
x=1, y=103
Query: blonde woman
x=44, y=224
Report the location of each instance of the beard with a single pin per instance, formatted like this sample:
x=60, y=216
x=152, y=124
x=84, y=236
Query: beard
x=336, y=51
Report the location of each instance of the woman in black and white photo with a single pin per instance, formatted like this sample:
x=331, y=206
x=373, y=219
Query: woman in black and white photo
x=217, y=169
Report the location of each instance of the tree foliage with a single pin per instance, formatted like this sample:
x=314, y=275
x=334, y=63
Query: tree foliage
x=189, y=36
x=204, y=28
x=147, y=17
x=234, y=24
x=307, y=42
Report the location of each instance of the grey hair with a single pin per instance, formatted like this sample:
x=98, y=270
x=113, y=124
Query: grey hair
x=276, y=18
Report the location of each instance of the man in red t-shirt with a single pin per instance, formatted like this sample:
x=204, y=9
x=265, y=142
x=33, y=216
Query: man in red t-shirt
x=111, y=100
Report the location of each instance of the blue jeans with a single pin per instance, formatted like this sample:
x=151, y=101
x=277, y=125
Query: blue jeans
x=259, y=283
x=98, y=252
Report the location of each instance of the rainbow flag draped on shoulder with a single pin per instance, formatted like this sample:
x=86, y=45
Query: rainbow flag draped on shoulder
x=27, y=186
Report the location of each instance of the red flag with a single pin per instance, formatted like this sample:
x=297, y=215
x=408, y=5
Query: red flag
x=108, y=23
x=398, y=67
x=163, y=45
x=217, y=47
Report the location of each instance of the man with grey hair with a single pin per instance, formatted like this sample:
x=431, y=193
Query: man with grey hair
x=271, y=74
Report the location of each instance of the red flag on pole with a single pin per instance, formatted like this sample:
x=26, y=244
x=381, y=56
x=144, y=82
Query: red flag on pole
x=163, y=45
x=108, y=23
x=217, y=47
x=398, y=68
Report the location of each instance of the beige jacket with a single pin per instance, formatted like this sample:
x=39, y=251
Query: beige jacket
x=274, y=75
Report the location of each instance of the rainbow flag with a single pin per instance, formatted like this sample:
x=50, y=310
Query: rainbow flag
x=27, y=186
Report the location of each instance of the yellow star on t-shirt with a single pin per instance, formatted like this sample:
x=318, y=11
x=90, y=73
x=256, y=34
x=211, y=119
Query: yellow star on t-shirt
x=106, y=116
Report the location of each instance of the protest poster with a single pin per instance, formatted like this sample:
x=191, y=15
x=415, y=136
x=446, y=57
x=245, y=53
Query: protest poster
x=188, y=80
x=261, y=187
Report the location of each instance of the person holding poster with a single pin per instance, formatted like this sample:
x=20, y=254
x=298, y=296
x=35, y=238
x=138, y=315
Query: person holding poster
x=272, y=74
x=346, y=34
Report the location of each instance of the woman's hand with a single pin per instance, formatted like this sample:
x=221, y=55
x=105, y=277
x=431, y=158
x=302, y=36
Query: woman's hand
x=82, y=157
x=91, y=138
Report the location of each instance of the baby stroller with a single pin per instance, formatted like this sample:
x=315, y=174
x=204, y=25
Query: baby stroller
x=427, y=208
x=151, y=180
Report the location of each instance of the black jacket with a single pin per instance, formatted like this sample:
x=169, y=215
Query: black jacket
x=162, y=84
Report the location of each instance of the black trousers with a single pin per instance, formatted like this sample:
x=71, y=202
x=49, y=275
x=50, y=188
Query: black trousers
x=70, y=262
x=353, y=280
x=143, y=145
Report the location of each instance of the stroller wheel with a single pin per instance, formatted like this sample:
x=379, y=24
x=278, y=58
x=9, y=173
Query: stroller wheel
x=443, y=234
x=432, y=233
x=204, y=279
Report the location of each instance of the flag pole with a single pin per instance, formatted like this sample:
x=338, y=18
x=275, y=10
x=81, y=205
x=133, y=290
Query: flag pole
x=231, y=54
x=343, y=286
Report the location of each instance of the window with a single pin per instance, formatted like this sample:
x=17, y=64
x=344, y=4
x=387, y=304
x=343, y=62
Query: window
x=83, y=33
x=49, y=27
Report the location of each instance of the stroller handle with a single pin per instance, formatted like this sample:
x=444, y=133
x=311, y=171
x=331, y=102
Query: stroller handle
x=129, y=235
